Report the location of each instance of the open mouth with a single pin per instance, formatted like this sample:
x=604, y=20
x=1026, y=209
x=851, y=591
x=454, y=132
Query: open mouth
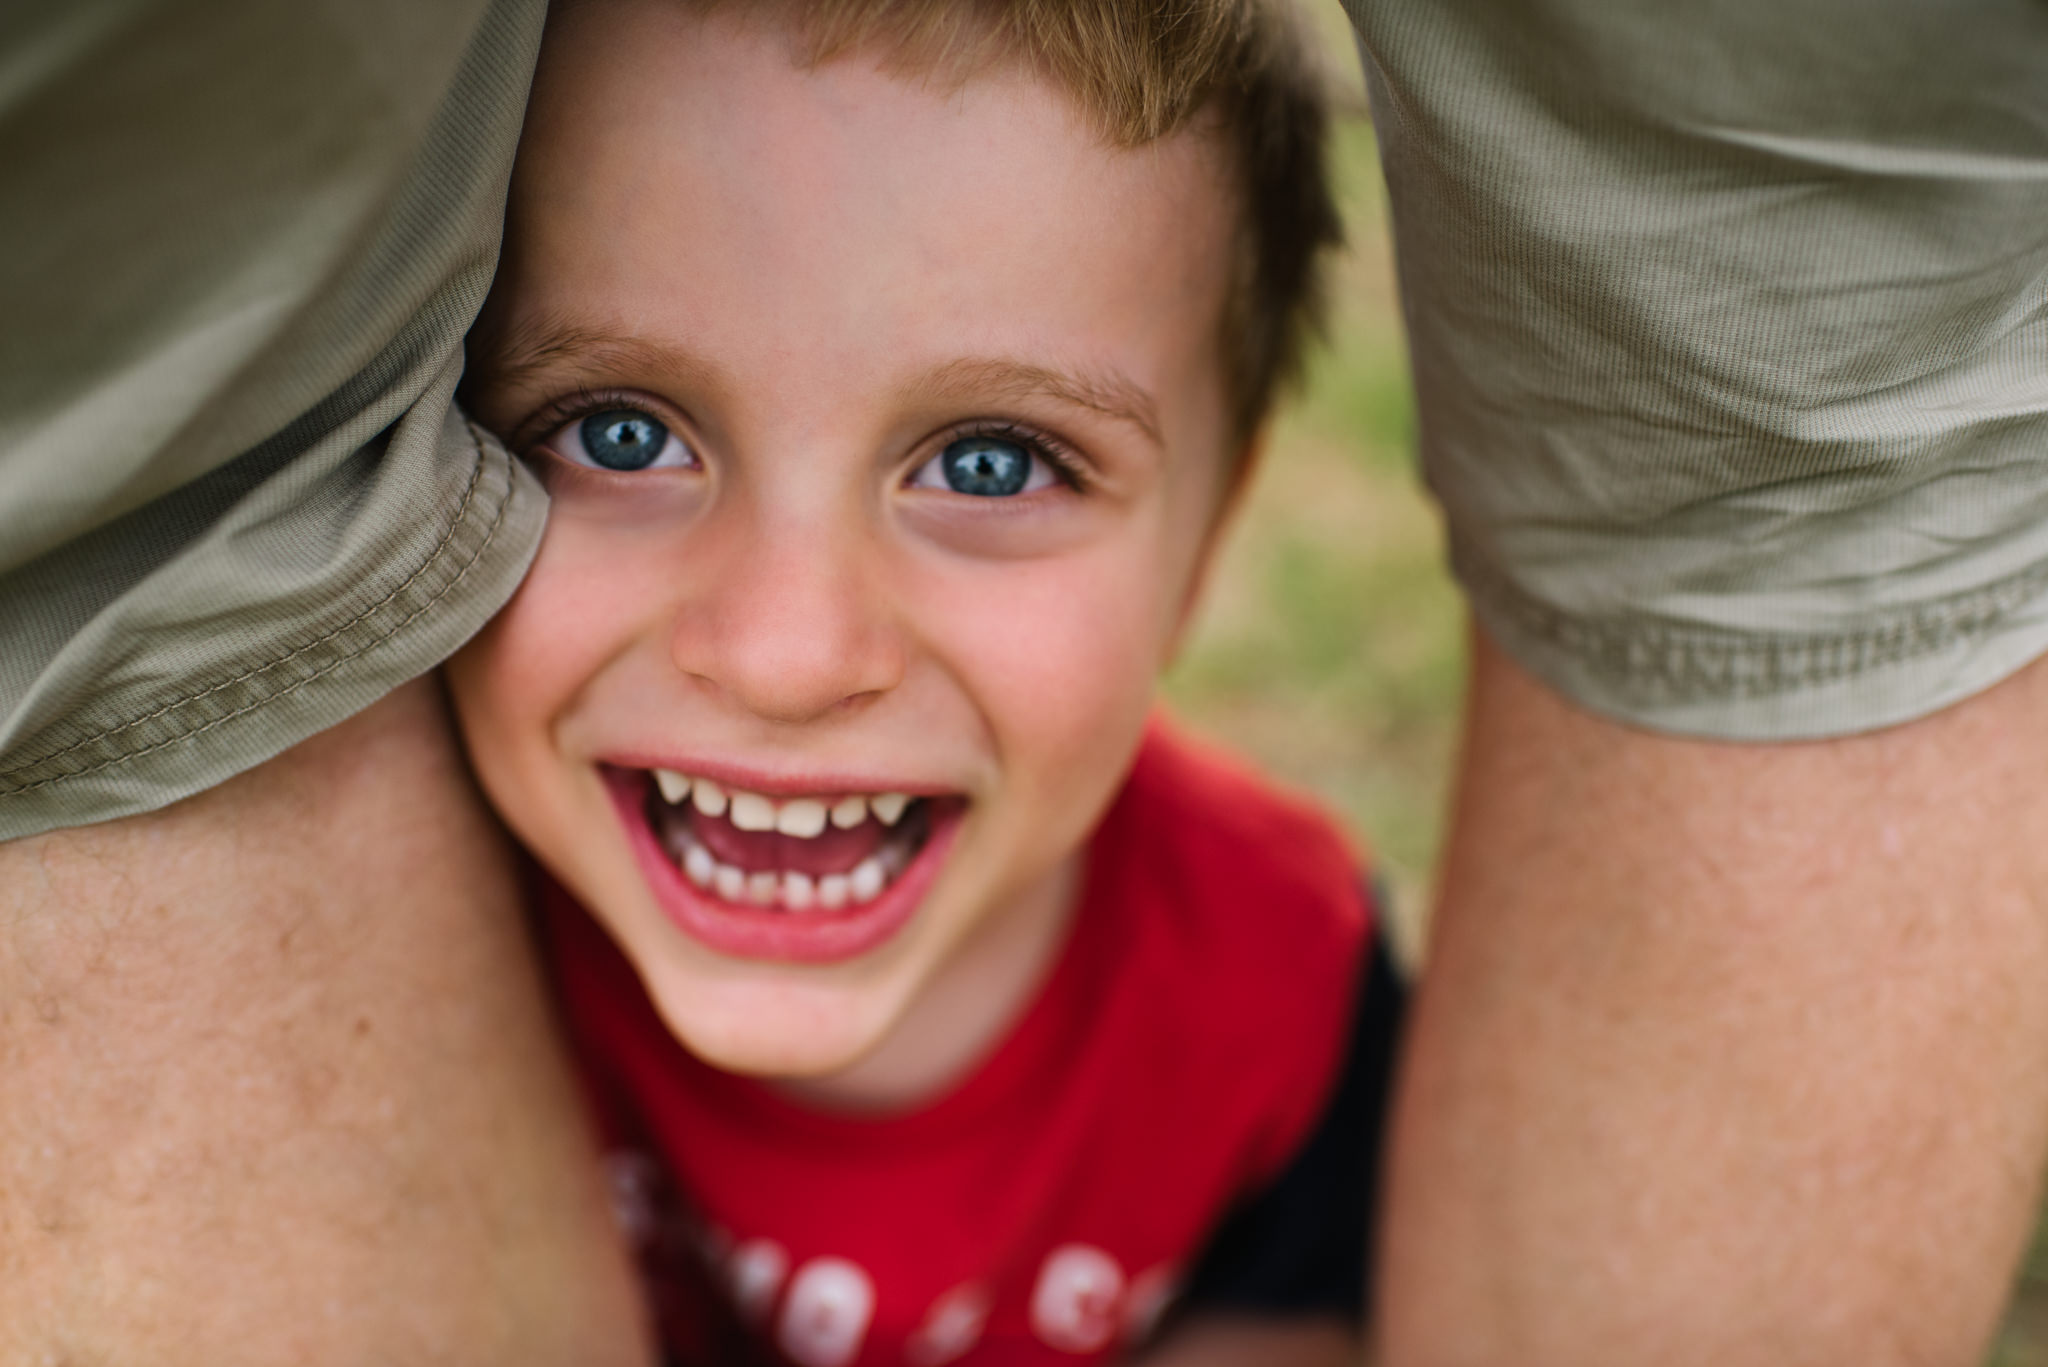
x=815, y=876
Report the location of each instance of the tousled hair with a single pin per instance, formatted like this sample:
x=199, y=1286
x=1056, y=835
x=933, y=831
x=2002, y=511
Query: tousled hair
x=1145, y=69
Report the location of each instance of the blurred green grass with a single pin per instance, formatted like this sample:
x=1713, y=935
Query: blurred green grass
x=2023, y=1338
x=1330, y=646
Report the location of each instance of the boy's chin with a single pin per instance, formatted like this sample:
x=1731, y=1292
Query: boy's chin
x=775, y=1034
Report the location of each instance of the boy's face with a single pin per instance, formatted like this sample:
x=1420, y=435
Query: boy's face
x=914, y=411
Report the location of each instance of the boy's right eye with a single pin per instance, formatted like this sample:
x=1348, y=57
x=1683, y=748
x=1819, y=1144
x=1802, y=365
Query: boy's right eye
x=621, y=439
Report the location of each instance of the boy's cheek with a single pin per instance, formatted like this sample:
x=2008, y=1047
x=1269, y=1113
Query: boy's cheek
x=496, y=692
x=499, y=692
x=1062, y=674
x=576, y=610
x=1075, y=627
x=503, y=698
x=489, y=678
x=511, y=685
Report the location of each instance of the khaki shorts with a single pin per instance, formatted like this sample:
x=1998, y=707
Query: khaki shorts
x=241, y=244
x=1729, y=326
x=1730, y=330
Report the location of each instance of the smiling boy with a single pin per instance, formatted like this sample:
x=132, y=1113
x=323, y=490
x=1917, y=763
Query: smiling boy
x=891, y=367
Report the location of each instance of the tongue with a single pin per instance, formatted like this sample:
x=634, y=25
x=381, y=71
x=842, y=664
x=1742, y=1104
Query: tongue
x=831, y=851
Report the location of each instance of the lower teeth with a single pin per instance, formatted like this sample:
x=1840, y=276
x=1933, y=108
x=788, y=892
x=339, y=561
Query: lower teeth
x=791, y=890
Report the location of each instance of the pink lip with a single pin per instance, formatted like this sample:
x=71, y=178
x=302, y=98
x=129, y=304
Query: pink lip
x=812, y=937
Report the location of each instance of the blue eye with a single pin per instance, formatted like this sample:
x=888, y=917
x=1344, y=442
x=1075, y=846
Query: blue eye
x=623, y=439
x=986, y=467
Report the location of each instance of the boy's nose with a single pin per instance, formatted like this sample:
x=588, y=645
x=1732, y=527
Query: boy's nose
x=786, y=625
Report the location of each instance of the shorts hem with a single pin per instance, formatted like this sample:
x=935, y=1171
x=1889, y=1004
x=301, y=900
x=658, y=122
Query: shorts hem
x=144, y=762
x=1763, y=686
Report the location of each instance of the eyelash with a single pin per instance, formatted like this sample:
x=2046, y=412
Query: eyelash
x=578, y=403
x=1068, y=465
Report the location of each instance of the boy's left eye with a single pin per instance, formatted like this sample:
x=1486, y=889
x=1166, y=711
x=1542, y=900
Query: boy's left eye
x=985, y=467
x=621, y=439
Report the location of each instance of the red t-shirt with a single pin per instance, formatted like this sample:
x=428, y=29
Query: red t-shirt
x=1042, y=1210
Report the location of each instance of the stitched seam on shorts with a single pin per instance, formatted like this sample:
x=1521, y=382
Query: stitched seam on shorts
x=1695, y=662
x=433, y=557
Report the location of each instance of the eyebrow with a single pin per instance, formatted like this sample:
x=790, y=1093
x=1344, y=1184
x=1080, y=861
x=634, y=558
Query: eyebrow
x=533, y=350
x=530, y=351
x=1107, y=392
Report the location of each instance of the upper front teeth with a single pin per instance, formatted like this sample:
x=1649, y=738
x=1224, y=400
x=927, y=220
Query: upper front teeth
x=752, y=812
x=709, y=797
x=803, y=817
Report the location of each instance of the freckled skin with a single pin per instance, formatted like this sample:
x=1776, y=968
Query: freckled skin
x=278, y=1082
x=814, y=278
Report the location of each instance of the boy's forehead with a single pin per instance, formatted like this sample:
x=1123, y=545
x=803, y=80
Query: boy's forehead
x=686, y=178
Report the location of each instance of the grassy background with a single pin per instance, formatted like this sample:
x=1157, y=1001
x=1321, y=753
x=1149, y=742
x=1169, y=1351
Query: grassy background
x=1330, y=648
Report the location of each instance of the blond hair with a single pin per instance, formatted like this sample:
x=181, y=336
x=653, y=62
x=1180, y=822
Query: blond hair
x=1145, y=69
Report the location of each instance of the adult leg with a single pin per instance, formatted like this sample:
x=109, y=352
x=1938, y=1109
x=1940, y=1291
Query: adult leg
x=1726, y=1054
x=278, y=1082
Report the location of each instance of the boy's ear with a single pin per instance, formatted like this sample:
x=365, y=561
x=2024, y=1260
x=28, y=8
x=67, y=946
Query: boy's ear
x=1237, y=479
